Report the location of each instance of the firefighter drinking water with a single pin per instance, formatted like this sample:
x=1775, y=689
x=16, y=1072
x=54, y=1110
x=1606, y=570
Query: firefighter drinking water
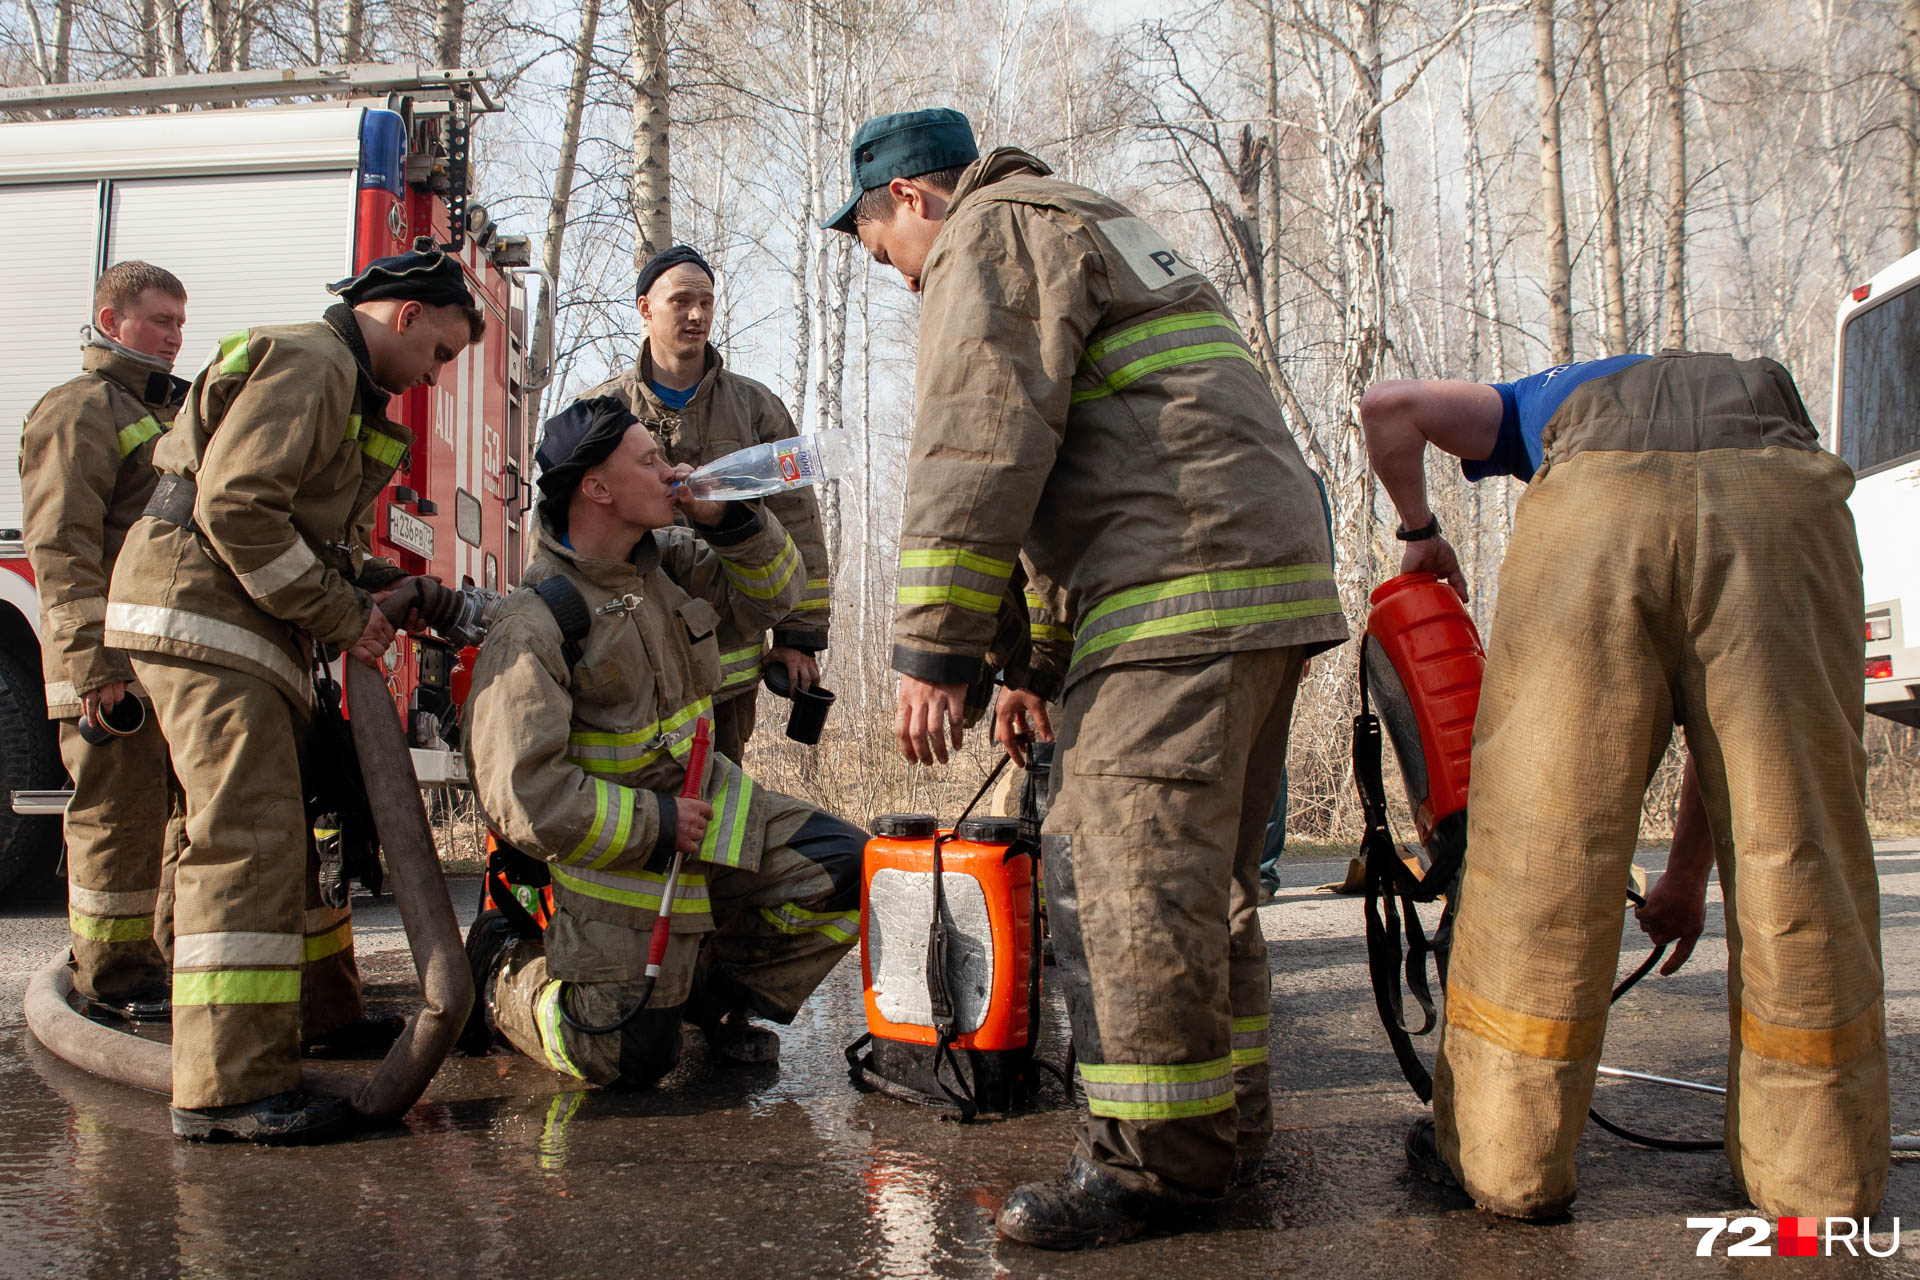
x=252, y=550
x=1084, y=400
x=702, y=410
x=1683, y=555
x=86, y=471
x=593, y=683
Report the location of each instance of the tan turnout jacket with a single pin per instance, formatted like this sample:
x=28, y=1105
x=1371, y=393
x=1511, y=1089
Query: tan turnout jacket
x=730, y=412
x=1083, y=396
x=286, y=438
x=86, y=471
x=581, y=764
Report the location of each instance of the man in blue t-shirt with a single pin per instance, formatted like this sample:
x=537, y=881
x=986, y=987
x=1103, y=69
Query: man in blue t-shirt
x=1683, y=555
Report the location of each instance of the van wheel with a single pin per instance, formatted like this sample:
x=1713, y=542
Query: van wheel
x=29, y=761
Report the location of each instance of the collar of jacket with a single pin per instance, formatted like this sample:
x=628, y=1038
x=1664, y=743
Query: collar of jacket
x=141, y=374
x=340, y=319
x=643, y=374
x=613, y=575
x=1001, y=162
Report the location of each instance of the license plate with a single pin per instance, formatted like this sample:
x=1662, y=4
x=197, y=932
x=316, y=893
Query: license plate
x=404, y=529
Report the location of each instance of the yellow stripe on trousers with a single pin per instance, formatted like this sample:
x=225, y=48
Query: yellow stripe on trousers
x=1526, y=1034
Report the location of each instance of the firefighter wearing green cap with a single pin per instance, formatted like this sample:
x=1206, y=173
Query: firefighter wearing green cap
x=1086, y=406
x=700, y=410
x=253, y=550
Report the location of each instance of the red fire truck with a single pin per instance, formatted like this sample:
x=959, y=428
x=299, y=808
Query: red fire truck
x=256, y=208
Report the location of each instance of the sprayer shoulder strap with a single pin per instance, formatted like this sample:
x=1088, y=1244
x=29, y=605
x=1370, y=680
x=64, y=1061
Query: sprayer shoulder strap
x=570, y=610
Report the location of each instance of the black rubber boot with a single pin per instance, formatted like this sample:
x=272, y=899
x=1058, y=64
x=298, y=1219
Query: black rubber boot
x=738, y=1040
x=284, y=1120
x=1248, y=1163
x=1087, y=1209
x=148, y=1006
x=490, y=940
x=1423, y=1155
x=366, y=1037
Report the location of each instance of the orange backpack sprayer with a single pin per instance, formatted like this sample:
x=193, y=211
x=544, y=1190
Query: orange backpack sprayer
x=950, y=957
x=1421, y=661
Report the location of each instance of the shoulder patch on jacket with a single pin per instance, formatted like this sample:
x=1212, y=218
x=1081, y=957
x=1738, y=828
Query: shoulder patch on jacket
x=1154, y=262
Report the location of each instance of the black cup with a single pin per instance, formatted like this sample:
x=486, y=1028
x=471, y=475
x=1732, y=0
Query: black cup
x=122, y=722
x=810, y=706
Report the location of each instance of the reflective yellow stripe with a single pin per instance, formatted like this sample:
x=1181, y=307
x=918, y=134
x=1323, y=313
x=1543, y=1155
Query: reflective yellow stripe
x=383, y=448
x=1157, y=1091
x=553, y=1030
x=1822, y=1048
x=135, y=434
x=769, y=581
x=953, y=557
x=841, y=926
x=1523, y=1033
x=1250, y=1040
x=598, y=752
x=321, y=945
x=729, y=823
x=813, y=604
x=624, y=798
x=978, y=601
x=353, y=426
x=1154, y=328
x=109, y=928
x=237, y=986
x=691, y=898
x=1204, y=602
x=746, y=675
x=232, y=356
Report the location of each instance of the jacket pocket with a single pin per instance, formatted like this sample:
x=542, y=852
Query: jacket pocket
x=699, y=625
x=601, y=675
x=1152, y=720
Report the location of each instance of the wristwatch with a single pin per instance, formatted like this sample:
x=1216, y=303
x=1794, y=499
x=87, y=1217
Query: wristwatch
x=1432, y=530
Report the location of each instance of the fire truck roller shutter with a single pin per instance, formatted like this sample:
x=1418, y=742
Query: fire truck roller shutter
x=50, y=289
x=252, y=249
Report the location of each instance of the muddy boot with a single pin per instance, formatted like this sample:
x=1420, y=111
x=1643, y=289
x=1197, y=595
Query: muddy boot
x=1248, y=1164
x=737, y=1039
x=1424, y=1158
x=366, y=1037
x=490, y=941
x=1085, y=1209
x=285, y=1119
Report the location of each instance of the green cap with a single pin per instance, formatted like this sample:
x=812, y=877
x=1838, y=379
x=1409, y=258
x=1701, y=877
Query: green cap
x=905, y=145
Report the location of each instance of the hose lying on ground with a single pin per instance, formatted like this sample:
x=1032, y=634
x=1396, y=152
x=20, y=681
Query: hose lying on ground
x=419, y=888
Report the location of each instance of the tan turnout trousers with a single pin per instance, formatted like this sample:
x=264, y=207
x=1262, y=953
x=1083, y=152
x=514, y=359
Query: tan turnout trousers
x=123, y=828
x=1163, y=777
x=252, y=945
x=778, y=931
x=1720, y=590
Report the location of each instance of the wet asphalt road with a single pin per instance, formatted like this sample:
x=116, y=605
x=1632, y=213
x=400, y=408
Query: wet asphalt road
x=505, y=1171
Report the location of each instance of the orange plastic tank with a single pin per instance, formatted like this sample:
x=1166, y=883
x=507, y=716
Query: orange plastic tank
x=990, y=911
x=1424, y=668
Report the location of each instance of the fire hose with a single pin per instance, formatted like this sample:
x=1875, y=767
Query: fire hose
x=419, y=888
x=662, y=922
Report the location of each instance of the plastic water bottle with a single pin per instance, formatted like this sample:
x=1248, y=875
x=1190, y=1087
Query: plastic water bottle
x=762, y=469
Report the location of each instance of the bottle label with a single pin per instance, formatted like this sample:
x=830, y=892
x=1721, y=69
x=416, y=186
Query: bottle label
x=790, y=465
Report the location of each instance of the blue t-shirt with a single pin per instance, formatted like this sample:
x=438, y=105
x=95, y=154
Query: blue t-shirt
x=1527, y=405
x=671, y=398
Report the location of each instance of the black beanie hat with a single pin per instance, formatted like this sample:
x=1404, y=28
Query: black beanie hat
x=424, y=275
x=666, y=260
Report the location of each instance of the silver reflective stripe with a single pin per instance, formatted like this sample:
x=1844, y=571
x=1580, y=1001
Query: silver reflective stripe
x=212, y=633
x=1250, y=1037
x=113, y=902
x=1155, y=1091
x=233, y=950
x=1208, y=601
x=640, y=891
x=280, y=572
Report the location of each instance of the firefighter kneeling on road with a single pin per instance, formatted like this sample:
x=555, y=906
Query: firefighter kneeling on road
x=586, y=699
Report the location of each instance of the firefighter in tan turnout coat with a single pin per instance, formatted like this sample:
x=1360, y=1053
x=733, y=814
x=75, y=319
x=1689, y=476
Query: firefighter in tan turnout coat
x=579, y=751
x=700, y=410
x=1083, y=398
x=86, y=471
x=253, y=549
